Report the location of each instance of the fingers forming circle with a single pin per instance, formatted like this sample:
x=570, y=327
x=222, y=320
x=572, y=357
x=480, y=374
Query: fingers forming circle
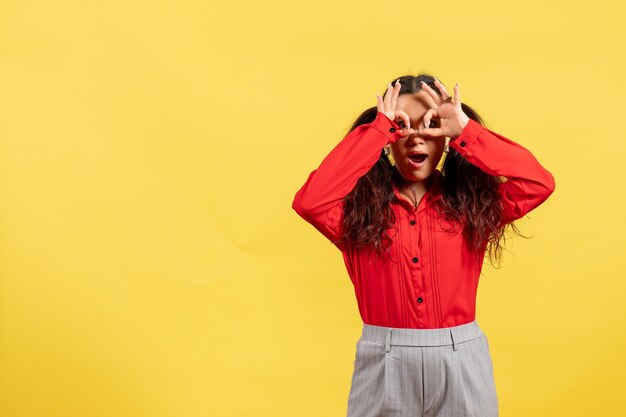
x=427, y=99
x=430, y=113
x=387, y=99
x=433, y=96
x=387, y=104
x=442, y=88
x=380, y=103
x=406, y=119
x=426, y=118
x=395, y=94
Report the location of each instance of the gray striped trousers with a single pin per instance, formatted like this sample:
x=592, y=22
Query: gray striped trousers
x=445, y=372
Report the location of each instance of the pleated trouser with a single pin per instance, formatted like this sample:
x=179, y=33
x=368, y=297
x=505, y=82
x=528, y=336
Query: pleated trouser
x=445, y=372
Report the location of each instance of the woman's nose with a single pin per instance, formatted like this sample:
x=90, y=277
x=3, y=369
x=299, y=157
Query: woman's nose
x=416, y=138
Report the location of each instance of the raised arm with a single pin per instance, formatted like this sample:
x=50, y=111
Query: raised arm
x=320, y=200
x=528, y=183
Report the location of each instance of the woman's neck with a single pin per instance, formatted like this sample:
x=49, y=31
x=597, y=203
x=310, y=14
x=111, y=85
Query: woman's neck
x=416, y=190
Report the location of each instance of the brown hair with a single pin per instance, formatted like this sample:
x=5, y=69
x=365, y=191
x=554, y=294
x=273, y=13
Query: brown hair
x=470, y=195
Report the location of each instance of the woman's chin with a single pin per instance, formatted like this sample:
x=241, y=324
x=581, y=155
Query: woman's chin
x=413, y=174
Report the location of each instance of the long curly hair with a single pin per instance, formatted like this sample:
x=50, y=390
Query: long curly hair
x=470, y=196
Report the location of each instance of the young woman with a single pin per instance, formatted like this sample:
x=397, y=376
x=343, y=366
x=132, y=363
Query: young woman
x=413, y=239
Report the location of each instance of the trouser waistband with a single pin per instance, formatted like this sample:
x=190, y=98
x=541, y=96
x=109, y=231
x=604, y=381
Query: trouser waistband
x=421, y=337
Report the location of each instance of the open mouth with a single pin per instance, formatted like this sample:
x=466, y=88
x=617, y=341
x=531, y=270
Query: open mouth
x=418, y=158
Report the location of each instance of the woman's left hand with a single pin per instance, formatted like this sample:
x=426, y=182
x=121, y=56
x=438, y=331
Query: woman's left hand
x=451, y=117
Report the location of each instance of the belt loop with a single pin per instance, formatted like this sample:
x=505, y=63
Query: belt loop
x=452, y=337
x=388, y=342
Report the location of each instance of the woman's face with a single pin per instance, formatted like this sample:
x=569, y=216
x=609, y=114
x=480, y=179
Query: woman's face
x=417, y=168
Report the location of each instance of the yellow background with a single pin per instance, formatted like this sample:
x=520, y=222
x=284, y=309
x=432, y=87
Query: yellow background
x=150, y=151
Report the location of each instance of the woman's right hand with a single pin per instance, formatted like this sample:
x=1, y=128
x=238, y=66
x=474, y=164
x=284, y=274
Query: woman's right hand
x=387, y=106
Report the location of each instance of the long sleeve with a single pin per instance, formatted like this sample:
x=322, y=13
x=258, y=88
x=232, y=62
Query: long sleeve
x=528, y=183
x=320, y=200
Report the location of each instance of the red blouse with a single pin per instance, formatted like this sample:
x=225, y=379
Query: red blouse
x=432, y=279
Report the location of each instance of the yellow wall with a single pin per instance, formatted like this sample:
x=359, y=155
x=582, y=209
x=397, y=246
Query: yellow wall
x=150, y=151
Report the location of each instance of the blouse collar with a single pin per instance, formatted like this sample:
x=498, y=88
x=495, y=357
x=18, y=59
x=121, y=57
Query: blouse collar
x=433, y=193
